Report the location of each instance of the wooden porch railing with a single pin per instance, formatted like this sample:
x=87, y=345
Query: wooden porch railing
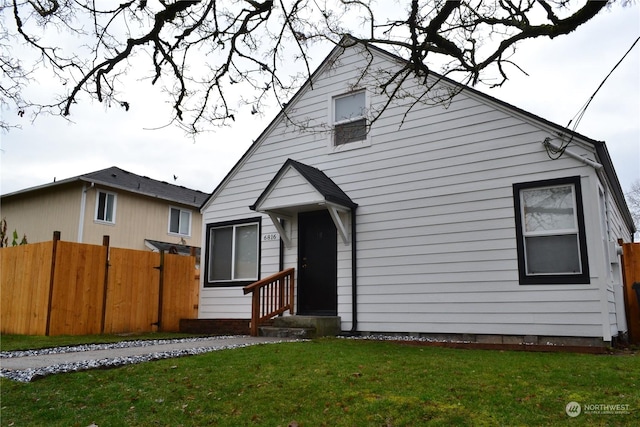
x=270, y=297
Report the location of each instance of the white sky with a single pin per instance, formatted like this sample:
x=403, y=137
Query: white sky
x=563, y=74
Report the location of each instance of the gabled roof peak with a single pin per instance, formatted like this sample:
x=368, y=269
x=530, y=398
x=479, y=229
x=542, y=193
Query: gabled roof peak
x=328, y=190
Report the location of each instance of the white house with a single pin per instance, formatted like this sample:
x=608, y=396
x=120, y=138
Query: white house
x=447, y=219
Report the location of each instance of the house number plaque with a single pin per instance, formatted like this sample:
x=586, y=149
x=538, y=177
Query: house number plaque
x=268, y=237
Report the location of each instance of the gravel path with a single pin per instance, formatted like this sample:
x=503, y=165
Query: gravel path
x=25, y=366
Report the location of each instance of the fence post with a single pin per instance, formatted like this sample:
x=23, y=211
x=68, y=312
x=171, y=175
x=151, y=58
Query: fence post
x=103, y=320
x=160, y=290
x=56, y=238
x=631, y=274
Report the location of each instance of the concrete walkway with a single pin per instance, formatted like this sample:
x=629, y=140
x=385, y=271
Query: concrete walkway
x=24, y=366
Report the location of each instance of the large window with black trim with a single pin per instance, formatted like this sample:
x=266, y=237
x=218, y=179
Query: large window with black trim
x=551, y=245
x=233, y=253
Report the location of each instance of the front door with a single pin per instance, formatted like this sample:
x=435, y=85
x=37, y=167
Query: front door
x=317, y=264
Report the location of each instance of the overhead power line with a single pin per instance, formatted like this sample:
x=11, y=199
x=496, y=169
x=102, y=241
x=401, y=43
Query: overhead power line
x=580, y=113
x=555, y=153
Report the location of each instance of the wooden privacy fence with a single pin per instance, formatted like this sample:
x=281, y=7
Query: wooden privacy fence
x=65, y=288
x=631, y=273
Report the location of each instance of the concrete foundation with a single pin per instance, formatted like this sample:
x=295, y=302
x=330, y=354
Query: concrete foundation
x=303, y=327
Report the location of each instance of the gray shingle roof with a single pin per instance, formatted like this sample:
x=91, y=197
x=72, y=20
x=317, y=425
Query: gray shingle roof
x=117, y=178
x=323, y=184
x=167, y=247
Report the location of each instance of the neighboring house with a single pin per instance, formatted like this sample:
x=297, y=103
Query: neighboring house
x=448, y=220
x=136, y=212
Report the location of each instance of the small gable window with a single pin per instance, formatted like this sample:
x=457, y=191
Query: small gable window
x=550, y=231
x=349, y=121
x=106, y=207
x=179, y=221
x=233, y=253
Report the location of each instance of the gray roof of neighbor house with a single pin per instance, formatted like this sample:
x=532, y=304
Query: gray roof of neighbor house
x=169, y=247
x=117, y=178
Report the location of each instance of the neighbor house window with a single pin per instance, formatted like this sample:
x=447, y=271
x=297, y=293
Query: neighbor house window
x=233, y=253
x=106, y=207
x=550, y=231
x=349, y=121
x=180, y=221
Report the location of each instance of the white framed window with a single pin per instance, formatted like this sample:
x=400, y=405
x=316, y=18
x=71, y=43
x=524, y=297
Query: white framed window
x=349, y=118
x=179, y=221
x=550, y=231
x=233, y=253
x=106, y=207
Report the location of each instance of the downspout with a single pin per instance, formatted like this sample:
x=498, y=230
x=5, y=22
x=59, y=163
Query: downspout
x=83, y=209
x=83, y=205
x=281, y=261
x=281, y=251
x=354, y=275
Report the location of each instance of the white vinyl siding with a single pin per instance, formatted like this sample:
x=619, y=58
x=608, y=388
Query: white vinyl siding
x=611, y=230
x=435, y=219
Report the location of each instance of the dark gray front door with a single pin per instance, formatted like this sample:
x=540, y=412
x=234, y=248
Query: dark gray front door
x=317, y=264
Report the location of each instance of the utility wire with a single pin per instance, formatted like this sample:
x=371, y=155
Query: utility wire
x=556, y=153
x=580, y=113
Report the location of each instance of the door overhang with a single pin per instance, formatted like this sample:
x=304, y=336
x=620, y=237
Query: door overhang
x=297, y=187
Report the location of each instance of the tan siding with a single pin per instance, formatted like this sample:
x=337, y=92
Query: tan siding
x=137, y=218
x=40, y=214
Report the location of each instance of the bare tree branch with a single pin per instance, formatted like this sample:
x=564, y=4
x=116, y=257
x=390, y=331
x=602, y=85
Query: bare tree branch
x=199, y=50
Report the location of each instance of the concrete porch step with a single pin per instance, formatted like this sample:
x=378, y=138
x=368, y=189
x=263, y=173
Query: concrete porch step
x=274, y=331
x=302, y=327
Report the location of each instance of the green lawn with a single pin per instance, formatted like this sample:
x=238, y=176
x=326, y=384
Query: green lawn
x=335, y=382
